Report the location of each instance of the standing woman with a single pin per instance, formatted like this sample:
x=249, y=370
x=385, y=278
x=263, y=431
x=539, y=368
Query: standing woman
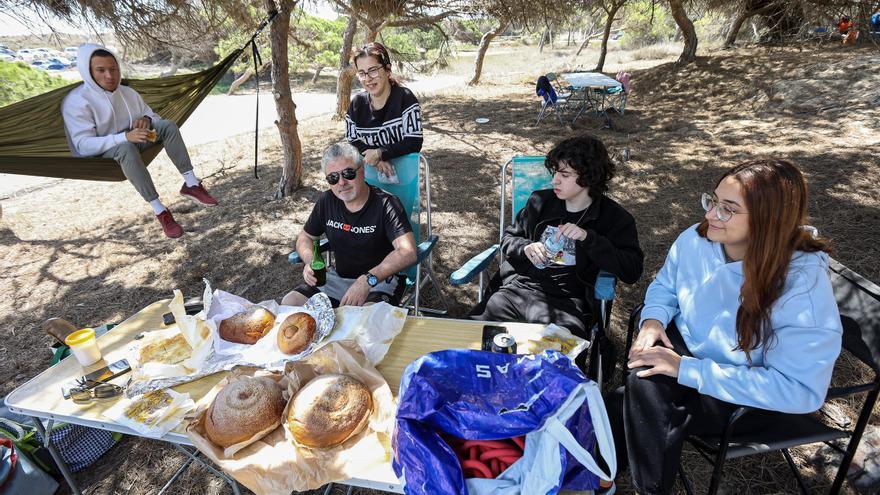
x=742, y=313
x=385, y=121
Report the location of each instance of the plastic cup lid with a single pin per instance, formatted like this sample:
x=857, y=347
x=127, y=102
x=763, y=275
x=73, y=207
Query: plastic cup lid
x=80, y=337
x=482, y=120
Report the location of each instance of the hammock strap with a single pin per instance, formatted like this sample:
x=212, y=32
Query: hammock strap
x=258, y=61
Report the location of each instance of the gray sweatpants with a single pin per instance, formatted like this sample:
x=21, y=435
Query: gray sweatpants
x=128, y=155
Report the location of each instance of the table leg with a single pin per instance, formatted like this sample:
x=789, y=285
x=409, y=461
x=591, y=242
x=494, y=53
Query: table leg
x=194, y=457
x=62, y=466
x=176, y=475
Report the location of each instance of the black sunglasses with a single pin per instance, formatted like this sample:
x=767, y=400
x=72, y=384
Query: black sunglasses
x=347, y=174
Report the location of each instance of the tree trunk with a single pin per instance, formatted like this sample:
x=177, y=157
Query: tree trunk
x=689, y=54
x=587, y=36
x=317, y=75
x=346, y=72
x=487, y=38
x=600, y=65
x=543, y=37
x=243, y=79
x=738, y=20
x=292, y=167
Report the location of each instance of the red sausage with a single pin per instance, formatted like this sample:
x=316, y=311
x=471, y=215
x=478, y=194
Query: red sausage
x=506, y=452
x=477, y=466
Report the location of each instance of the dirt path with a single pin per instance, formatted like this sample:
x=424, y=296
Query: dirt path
x=91, y=252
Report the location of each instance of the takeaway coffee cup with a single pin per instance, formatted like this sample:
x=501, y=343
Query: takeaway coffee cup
x=84, y=346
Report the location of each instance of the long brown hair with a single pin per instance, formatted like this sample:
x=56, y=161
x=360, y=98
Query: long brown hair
x=379, y=52
x=775, y=196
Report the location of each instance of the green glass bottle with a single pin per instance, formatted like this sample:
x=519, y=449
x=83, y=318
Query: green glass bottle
x=318, y=265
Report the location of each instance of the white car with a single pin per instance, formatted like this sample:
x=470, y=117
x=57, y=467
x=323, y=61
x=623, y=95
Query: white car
x=5, y=57
x=26, y=54
x=70, y=51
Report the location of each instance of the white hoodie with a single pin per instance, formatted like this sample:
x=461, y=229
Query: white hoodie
x=96, y=120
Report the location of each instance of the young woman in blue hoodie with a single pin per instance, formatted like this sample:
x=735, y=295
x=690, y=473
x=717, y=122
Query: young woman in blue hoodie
x=741, y=313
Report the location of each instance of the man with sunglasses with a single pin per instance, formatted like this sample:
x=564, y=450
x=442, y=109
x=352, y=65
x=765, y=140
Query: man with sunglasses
x=367, y=229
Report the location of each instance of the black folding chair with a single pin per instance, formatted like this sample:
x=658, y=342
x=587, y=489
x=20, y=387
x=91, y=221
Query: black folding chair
x=858, y=301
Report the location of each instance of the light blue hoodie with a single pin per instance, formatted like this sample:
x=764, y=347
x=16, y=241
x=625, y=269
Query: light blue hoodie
x=700, y=290
x=95, y=120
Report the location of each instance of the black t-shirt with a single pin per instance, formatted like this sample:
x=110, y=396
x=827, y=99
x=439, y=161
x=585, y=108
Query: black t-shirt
x=361, y=239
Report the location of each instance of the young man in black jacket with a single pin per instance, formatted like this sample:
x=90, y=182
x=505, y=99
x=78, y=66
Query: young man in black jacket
x=560, y=241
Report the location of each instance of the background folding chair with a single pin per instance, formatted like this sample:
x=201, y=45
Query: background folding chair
x=859, y=303
x=529, y=174
x=552, y=101
x=408, y=169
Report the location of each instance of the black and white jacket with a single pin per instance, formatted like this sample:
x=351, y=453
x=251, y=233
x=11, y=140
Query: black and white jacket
x=396, y=129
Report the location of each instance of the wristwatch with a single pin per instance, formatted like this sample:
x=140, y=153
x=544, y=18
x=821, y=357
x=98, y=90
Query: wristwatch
x=372, y=281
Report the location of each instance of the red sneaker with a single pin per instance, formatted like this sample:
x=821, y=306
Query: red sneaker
x=171, y=228
x=199, y=194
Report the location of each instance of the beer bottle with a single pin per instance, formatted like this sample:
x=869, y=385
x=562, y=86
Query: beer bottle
x=318, y=265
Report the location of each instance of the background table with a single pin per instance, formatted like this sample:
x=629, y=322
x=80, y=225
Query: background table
x=583, y=86
x=41, y=396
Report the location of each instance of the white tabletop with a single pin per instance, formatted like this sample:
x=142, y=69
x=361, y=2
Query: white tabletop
x=580, y=80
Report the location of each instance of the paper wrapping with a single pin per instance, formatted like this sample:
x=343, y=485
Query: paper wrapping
x=151, y=415
x=276, y=464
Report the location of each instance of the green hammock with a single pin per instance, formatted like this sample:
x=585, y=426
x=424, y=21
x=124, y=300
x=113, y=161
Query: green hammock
x=32, y=139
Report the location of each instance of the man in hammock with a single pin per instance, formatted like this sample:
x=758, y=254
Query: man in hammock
x=104, y=118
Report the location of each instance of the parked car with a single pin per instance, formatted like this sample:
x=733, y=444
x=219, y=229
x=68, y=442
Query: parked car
x=26, y=54
x=5, y=57
x=70, y=51
x=59, y=60
x=53, y=66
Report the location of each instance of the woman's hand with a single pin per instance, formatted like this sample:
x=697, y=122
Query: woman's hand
x=571, y=231
x=373, y=156
x=386, y=168
x=649, y=334
x=660, y=360
x=536, y=253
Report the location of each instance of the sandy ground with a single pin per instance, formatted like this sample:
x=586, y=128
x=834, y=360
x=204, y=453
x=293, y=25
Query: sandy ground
x=92, y=253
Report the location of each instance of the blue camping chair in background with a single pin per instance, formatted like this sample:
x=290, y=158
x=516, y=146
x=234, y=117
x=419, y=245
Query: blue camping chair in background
x=553, y=100
x=528, y=174
x=409, y=191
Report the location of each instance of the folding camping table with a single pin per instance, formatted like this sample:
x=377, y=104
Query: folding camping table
x=41, y=399
x=583, y=86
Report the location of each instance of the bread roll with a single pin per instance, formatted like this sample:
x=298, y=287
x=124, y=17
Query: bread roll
x=242, y=409
x=296, y=333
x=329, y=410
x=248, y=326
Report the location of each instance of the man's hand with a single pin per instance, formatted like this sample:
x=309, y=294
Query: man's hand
x=660, y=360
x=385, y=167
x=649, y=334
x=536, y=253
x=373, y=156
x=309, y=275
x=142, y=123
x=571, y=231
x=138, y=136
x=356, y=295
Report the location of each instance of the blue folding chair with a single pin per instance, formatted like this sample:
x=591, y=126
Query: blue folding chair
x=528, y=174
x=408, y=169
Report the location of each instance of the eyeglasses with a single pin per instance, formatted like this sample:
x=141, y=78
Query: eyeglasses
x=371, y=73
x=722, y=211
x=95, y=391
x=347, y=174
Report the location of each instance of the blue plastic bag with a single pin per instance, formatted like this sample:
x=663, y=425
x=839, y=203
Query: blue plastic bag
x=477, y=395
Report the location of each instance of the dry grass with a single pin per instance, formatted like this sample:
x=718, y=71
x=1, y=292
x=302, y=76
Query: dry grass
x=92, y=253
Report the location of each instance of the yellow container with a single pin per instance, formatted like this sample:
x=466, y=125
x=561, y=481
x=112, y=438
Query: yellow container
x=84, y=346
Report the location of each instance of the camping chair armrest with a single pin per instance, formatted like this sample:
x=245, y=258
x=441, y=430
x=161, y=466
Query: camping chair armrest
x=425, y=248
x=838, y=392
x=604, y=288
x=474, y=266
x=631, y=326
x=294, y=259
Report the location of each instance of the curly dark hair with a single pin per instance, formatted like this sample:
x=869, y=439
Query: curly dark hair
x=588, y=157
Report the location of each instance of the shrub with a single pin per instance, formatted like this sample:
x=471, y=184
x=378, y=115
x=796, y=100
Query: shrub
x=19, y=81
